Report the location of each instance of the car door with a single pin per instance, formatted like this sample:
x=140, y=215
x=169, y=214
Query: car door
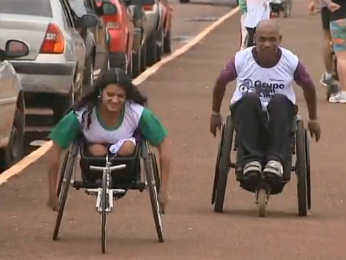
x=9, y=91
x=76, y=41
x=99, y=32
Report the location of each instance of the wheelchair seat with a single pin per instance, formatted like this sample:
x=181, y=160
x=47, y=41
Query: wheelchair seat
x=120, y=178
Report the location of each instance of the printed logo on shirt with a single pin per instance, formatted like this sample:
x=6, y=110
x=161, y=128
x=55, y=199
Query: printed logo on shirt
x=263, y=89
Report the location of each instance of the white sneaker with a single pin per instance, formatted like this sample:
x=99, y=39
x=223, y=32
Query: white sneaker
x=253, y=167
x=339, y=97
x=274, y=168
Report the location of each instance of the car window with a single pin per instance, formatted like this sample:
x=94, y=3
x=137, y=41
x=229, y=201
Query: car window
x=78, y=7
x=67, y=13
x=26, y=7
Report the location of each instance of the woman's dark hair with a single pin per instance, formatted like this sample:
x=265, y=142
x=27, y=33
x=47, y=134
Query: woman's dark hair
x=111, y=76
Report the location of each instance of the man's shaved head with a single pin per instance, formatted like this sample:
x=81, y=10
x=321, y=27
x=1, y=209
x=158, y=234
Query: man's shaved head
x=268, y=25
x=267, y=37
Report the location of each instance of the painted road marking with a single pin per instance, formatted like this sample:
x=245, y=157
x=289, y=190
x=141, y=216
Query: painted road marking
x=34, y=156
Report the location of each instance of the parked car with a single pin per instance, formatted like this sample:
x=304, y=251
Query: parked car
x=11, y=105
x=124, y=37
x=95, y=40
x=159, y=16
x=52, y=72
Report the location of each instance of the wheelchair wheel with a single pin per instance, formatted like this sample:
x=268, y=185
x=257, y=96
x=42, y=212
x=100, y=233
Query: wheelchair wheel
x=301, y=170
x=104, y=204
x=224, y=164
x=65, y=176
x=288, y=9
x=308, y=168
x=153, y=194
x=63, y=167
x=216, y=174
x=262, y=202
x=157, y=175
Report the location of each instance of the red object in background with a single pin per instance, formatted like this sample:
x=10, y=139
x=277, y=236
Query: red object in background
x=120, y=28
x=167, y=14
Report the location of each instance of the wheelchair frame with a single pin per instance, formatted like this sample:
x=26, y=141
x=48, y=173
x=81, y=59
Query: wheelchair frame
x=108, y=190
x=224, y=162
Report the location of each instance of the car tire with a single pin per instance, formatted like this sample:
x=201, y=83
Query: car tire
x=167, y=43
x=136, y=65
x=143, y=57
x=159, y=48
x=88, y=76
x=14, y=150
x=151, y=48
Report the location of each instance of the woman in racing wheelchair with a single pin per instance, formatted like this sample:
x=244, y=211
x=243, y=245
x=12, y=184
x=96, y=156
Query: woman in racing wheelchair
x=265, y=75
x=108, y=117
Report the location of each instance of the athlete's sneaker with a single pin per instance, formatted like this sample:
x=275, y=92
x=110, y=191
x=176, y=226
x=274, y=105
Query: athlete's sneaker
x=253, y=168
x=339, y=97
x=326, y=80
x=274, y=168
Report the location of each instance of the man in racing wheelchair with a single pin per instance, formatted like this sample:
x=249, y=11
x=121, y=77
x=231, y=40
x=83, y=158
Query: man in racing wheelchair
x=265, y=75
x=108, y=117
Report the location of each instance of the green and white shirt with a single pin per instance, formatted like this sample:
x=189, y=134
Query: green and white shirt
x=134, y=116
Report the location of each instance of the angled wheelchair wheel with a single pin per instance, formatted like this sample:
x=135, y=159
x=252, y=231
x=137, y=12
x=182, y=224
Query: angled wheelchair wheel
x=153, y=194
x=104, y=205
x=301, y=171
x=224, y=165
x=216, y=173
x=157, y=175
x=308, y=169
x=65, y=176
x=62, y=171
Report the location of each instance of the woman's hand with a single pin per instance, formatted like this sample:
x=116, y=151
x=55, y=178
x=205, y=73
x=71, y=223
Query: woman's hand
x=53, y=202
x=163, y=200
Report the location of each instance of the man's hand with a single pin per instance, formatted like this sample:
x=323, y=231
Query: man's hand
x=312, y=7
x=314, y=129
x=215, y=123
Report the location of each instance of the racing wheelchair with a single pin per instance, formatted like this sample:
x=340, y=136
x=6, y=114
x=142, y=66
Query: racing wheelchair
x=109, y=178
x=263, y=189
x=278, y=6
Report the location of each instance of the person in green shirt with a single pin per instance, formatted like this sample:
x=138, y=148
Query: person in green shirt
x=243, y=32
x=108, y=117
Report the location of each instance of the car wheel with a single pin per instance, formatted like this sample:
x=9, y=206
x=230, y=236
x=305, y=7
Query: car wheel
x=88, y=75
x=151, y=48
x=14, y=150
x=136, y=65
x=159, y=47
x=167, y=43
x=143, y=57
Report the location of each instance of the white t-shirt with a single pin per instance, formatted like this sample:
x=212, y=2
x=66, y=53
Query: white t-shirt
x=257, y=10
x=251, y=78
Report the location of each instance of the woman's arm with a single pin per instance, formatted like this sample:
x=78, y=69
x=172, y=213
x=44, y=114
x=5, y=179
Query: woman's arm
x=53, y=167
x=165, y=162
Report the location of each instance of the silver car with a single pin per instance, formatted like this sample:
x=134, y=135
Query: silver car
x=11, y=105
x=52, y=72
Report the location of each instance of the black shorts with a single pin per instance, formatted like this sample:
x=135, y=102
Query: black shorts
x=325, y=16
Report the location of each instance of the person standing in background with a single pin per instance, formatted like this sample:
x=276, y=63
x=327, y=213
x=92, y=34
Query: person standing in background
x=257, y=10
x=243, y=31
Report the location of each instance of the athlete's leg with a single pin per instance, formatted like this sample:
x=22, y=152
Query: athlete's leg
x=243, y=32
x=249, y=123
x=326, y=78
x=338, y=31
x=281, y=116
x=250, y=36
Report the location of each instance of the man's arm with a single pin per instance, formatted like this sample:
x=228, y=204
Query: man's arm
x=303, y=79
x=228, y=74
